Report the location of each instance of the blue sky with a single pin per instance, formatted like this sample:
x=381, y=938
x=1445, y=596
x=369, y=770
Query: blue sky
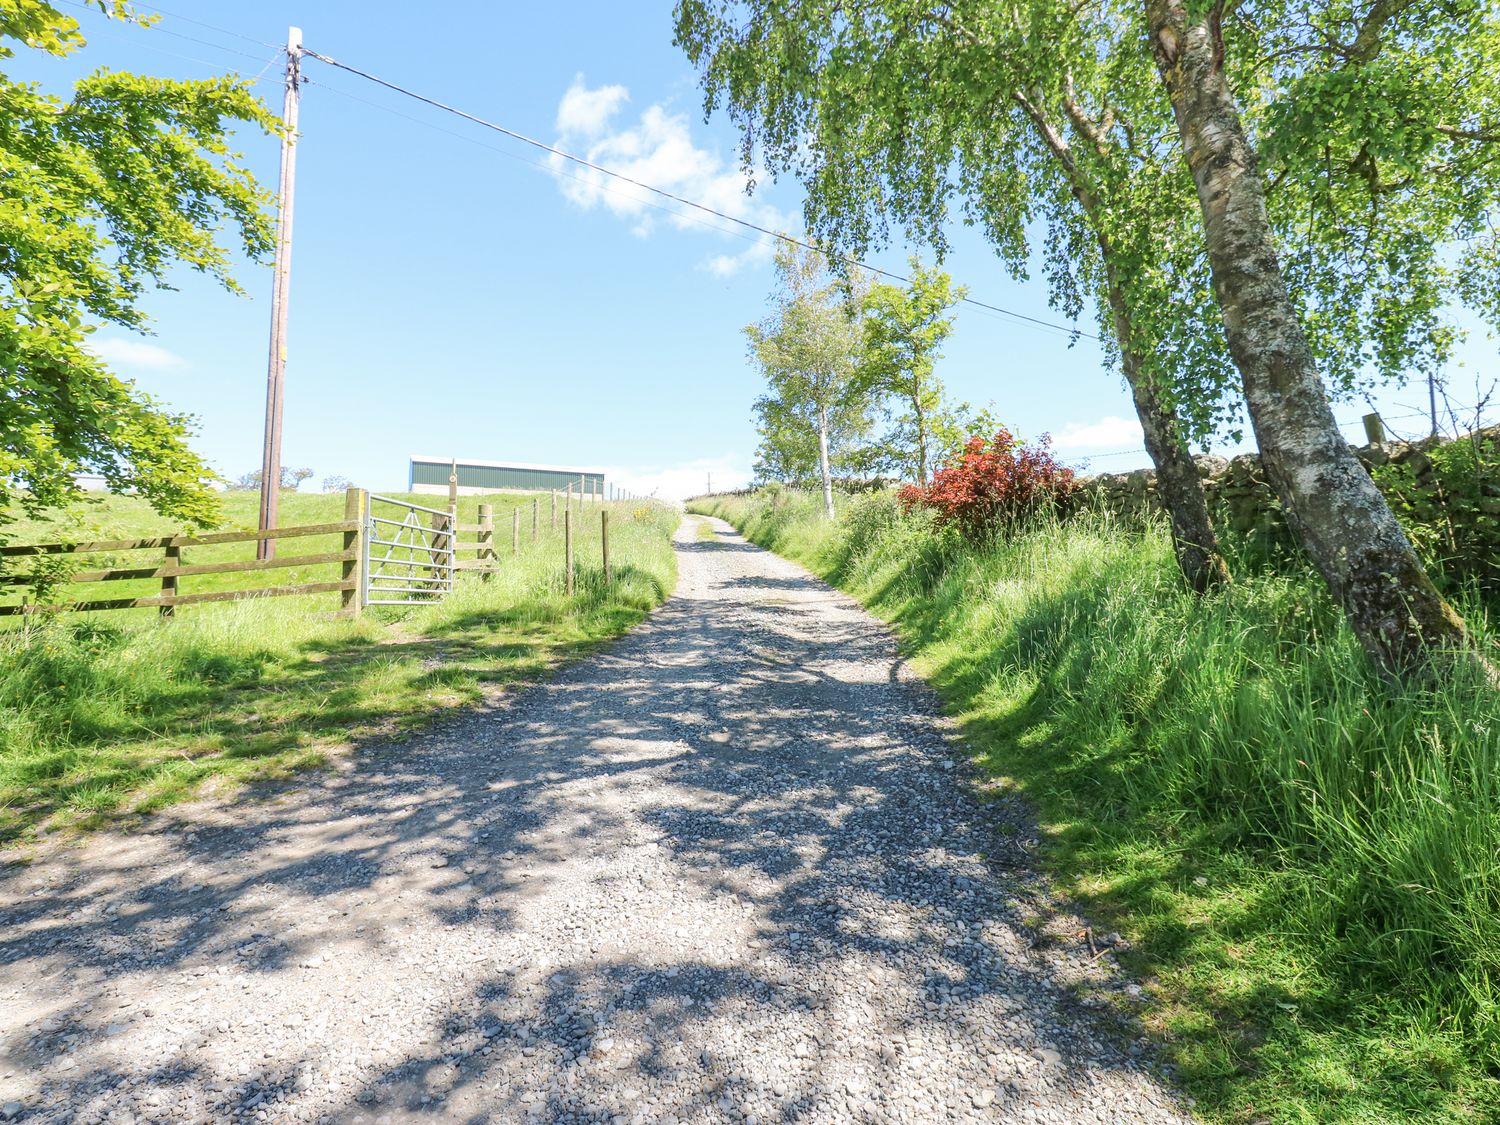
x=451, y=294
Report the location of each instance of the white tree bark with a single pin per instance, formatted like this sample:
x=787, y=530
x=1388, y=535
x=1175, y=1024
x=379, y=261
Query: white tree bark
x=1340, y=517
x=823, y=461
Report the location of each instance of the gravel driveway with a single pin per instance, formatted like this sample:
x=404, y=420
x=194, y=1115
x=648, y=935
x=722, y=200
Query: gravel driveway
x=725, y=870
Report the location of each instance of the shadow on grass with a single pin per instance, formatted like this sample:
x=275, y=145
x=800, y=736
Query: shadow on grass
x=1258, y=1022
x=262, y=713
x=616, y=755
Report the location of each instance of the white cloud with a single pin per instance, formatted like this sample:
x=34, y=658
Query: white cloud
x=727, y=265
x=658, y=149
x=138, y=354
x=585, y=112
x=1107, y=433
x=688, y=478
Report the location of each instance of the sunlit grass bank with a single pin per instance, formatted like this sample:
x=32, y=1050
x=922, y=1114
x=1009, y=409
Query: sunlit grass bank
x=1306, y=862
x=118, y=712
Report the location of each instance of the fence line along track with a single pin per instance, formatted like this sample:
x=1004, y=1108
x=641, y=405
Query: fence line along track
x=394, y=553
x=173, y=568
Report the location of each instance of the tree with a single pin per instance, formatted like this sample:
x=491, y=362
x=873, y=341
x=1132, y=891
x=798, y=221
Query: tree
x=1340, y=517
x=105, y=192
x=337, y=483
x=809, y=349
x=1391, y=94
x=789, y=445
x=894, y=110
x=904, y=333
x=291, y=479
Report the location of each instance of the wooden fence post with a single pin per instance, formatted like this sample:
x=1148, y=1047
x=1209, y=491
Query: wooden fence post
x=1374, y=429
x=515, y=531
x=442, y=549
x=486, y=540
x=554, y=509
x=568, y=549
x=604, y=537
x=355, y=506
x=536, y=508
x=169, y=580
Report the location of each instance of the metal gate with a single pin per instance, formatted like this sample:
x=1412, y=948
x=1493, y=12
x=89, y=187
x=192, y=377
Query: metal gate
x=411, y=556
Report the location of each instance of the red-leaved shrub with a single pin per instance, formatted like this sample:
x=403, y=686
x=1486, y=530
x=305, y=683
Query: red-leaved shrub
x=992, y=484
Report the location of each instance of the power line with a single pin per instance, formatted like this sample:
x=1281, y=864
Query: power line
x=675, y=213
x=180, y=35
x=582, y=162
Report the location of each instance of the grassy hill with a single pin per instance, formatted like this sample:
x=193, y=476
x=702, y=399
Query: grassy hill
x=122, y=712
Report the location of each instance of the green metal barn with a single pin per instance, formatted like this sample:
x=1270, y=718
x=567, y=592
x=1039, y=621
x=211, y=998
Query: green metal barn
x=430, y=475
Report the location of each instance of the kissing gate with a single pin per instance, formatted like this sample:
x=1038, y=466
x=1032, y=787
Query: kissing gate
x=411, y=553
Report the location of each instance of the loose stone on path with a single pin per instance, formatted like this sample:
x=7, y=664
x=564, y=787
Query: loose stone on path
x=727, y=869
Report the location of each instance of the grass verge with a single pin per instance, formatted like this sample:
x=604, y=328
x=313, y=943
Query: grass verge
x=105, y=714
x=1305, y=862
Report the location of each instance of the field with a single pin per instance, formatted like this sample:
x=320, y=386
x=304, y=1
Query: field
x=1306, y=863
x=109, y=714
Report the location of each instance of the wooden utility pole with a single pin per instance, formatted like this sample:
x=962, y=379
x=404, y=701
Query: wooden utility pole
x=270, y=462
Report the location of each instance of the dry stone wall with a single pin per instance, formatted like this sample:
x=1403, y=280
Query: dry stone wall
x=1242, y=501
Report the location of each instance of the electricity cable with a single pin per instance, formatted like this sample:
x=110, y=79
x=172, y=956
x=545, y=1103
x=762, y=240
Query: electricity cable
x=581, y=161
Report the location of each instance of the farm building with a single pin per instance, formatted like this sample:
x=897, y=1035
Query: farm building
x=430, y=475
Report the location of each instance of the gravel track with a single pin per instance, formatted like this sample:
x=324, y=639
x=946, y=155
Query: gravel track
x=725, y=870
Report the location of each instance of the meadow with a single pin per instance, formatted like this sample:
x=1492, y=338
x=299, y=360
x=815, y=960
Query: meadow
x=1305, y=862
x=111, y=715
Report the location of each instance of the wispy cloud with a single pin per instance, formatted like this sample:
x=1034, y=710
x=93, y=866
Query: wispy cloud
x=684, y=479
x=137, y=354
x=584, y=112
x=1107, y=433
x=657, y=149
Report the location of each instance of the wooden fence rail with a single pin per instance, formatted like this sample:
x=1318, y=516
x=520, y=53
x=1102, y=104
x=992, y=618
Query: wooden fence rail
x=352, y=559
x=173, y=567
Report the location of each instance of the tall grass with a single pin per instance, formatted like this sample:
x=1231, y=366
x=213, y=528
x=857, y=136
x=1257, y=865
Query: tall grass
x=1306, y=860
x=123, y=712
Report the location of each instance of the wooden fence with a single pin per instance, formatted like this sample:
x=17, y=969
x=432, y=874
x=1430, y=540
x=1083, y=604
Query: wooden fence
x=483, y=555
x=174, y=566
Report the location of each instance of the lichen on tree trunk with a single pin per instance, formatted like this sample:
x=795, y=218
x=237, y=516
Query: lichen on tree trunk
x=1332, y=505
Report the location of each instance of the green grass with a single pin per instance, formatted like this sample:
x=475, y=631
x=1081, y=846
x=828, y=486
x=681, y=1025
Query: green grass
x=119, y=712
x=1306, y=863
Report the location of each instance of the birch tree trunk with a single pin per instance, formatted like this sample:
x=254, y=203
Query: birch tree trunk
x=823, y=461
x=1332, y=505
x=916, y=403
x=1178, y=485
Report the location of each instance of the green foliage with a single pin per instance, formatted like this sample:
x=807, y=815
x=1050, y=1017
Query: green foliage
x=1301, y=857
x=1377, y=121
x=817, y=414
x=106, y=192
x=904, y=330
x=111, y=713
x=1379, y=127
x=1448, y=499
x=1045, y=118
